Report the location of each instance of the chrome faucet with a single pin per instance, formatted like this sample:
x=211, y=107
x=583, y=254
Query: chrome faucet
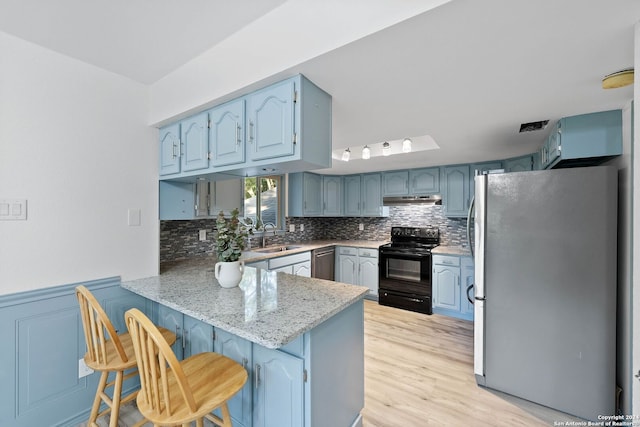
x=264, y=232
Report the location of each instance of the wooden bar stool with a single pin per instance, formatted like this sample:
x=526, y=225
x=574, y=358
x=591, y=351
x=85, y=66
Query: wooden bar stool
x=108, y=352
x=177, y=392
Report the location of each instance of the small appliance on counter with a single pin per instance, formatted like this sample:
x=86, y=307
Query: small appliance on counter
x=405, y=268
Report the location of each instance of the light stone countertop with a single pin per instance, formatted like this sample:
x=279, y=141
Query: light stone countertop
x=451, y=250
x=267, y=308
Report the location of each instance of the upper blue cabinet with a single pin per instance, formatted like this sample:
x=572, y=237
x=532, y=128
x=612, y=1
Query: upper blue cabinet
x=271, y=121
x=584, y=140
x=170, y=149
x=227, y=133
x=282, y=128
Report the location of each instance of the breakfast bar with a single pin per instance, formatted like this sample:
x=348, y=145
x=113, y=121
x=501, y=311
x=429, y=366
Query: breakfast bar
x=300, y=339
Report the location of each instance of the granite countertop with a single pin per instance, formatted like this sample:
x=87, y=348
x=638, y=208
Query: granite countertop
x=267, y=308
x=451, y=250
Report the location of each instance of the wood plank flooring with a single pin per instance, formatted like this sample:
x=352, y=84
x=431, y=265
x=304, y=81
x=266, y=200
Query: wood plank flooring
x=419, y=372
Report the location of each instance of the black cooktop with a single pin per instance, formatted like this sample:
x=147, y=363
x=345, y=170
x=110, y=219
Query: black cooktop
x=413, y=239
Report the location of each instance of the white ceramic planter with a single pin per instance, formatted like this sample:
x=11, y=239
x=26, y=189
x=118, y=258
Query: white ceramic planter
x=229, y=274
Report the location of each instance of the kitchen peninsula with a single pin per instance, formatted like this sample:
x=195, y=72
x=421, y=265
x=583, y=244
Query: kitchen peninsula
x=300, y=339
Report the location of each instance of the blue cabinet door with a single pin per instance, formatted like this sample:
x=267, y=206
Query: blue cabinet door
x=347, y=269
x=279, y=389
x=195, y=142
x=424, y=181
x=332, y=195
x=173, y=320
x=446, y=287
x=395, y=183
x=177, y=200
x=271, y=121
x=352, y=195
x=456, y=190
x=238, y=349
x=227, y=134
x=197, y=336
x=312, y=194
x=371, y=194
x=170, y=149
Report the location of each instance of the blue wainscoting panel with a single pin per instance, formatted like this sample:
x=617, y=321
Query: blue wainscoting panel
x=43, y=340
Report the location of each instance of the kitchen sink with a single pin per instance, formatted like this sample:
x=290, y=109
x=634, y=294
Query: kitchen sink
x=275, y=249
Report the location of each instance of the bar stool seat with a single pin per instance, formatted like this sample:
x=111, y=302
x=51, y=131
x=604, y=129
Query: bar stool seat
x=177, y=392
x=108, y=352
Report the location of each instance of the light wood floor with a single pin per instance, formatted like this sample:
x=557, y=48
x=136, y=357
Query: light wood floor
x=419, y=372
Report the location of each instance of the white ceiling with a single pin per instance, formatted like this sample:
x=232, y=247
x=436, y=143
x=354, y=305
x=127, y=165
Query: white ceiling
x=467, y=73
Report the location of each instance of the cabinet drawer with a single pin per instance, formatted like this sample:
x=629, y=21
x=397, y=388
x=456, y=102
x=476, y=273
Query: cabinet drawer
x=369, y=253
x=446, y=260
x=346, y=250
x=289, y=259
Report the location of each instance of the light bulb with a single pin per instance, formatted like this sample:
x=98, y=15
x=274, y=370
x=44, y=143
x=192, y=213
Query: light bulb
x=386, y=149
x=406, y=145
x=366, y=153
x=346, y=155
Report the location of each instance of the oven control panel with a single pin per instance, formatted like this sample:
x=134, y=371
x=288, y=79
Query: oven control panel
x=419, y=232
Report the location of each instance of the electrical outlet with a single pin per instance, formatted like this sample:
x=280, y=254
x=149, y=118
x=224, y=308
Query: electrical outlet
x=361, y=227
x=83, y=369
x=301, y=227
x=292, y=228
x=202, y=235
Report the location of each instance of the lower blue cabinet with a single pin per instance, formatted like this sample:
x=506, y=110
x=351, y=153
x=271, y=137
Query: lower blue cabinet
x=452, y=286
x=278, y=388
x=238, y=349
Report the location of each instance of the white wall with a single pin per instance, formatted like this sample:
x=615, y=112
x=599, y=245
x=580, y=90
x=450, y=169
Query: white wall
x=74, y=141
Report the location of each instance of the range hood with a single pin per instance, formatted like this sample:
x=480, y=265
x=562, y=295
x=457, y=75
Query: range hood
x=412, y=200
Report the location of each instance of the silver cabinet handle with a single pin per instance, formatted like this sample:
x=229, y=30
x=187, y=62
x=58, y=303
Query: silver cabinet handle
x=237, y=134
x=257, y=374
x=174, y=150
x=184, y=341
x=245, y=362
x=250, y=131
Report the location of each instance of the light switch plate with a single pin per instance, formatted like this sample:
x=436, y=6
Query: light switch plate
x=133, y=217
x=361, y=227
x=292, y=228
x=301, y=227
x=202, y=235
x=13, y=209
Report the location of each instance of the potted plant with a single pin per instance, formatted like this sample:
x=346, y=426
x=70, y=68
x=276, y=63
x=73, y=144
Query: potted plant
x=230, y=243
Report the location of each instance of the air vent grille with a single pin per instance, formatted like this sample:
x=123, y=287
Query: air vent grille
x=533, y=126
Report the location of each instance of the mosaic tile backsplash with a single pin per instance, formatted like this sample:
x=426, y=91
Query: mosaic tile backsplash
x=179, y=239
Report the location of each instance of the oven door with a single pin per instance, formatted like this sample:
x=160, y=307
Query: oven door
x=405, y=272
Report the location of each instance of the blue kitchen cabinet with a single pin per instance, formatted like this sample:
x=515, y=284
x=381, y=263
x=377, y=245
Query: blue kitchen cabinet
x=424, y=181
x=194, y=135
x=332, y=195
x=271, y=121
x=446, y=287
x=363, y=196
x=177, y=200
x=352, y=195
x=452, y=276
x=395, y=183
x=227, y=133
x=456, y=190
x=192, y=336
x=347, y=265
x=358, y=266
x=170, y=149
x=278, y=400
x=240, y=350
x=583, y=140
x=371, y=195
x=305, y=194
x=519, y=164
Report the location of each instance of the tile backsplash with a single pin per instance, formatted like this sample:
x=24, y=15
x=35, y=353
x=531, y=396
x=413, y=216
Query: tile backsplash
x=179, y=239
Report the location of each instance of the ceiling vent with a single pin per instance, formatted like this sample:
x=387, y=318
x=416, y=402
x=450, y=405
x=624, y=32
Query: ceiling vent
x=533, y=126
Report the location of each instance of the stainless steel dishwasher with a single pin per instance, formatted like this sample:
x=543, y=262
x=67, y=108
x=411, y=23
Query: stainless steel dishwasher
x=323, y=263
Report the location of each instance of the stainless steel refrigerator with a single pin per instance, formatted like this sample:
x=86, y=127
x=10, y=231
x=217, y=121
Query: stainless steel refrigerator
x=545, y=287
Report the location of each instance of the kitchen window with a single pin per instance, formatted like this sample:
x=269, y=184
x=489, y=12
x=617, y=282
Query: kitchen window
x=263, y=199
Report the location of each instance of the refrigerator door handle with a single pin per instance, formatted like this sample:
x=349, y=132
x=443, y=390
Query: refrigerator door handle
x=479, y=306
x=469, y=296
